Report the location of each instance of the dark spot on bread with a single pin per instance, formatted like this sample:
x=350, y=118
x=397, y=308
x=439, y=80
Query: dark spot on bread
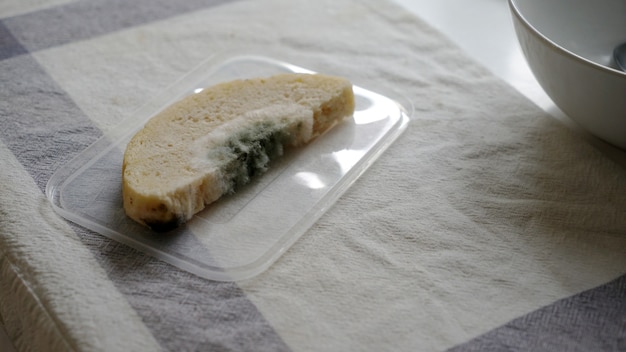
x=164, y=226
x=161, y=219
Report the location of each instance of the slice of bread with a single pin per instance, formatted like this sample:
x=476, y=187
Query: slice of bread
x=207, y=144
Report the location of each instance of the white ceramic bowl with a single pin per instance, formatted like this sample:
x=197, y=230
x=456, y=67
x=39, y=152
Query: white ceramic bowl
x=569, y=45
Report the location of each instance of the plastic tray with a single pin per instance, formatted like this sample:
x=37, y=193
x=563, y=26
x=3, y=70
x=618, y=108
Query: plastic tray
x=241, y=235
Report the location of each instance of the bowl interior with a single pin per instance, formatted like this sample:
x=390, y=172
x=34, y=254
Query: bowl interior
x=590, y=29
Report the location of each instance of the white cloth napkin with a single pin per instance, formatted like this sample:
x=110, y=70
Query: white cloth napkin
x=483, y=210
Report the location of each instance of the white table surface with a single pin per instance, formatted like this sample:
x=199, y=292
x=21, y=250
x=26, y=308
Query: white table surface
x=483, y=28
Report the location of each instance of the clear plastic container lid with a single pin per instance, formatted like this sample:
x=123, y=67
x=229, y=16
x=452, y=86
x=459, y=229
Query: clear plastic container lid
x=240, y=235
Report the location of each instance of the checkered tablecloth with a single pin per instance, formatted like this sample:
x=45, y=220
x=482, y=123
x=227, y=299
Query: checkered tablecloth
x=487, y=225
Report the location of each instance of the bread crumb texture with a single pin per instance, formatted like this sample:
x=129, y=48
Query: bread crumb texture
x=212, y=142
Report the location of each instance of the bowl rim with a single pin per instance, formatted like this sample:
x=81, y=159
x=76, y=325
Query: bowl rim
x=607, y=69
